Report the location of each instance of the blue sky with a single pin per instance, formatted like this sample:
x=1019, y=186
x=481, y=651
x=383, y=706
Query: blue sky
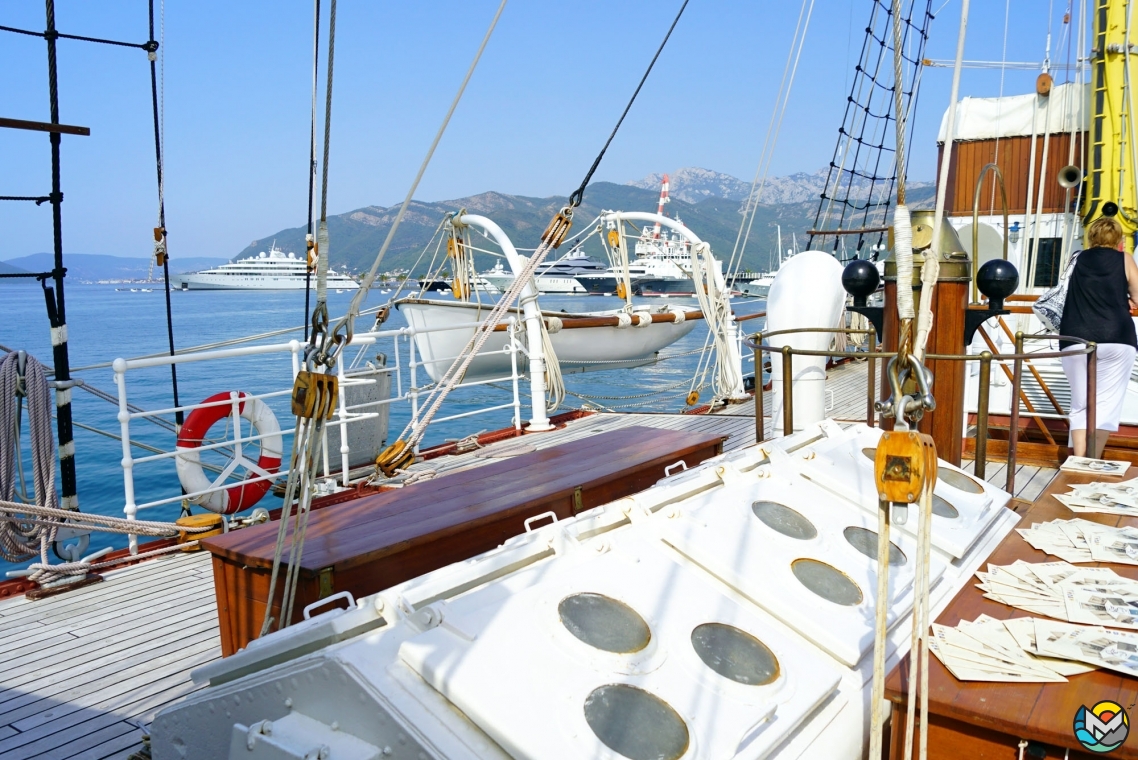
x=549, y=88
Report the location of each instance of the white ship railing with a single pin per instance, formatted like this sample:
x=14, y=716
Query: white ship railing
x=345, y=415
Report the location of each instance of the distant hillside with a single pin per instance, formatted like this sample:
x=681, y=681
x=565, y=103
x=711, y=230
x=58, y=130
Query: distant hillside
x=358, y=235
x=6, y=268
x=693, y=185
x=91, y=267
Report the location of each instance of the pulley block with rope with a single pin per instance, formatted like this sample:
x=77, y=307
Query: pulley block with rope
x=904, y=463
x=314, y=394
x=395, y=457
x=160, y=246
x=312, y=250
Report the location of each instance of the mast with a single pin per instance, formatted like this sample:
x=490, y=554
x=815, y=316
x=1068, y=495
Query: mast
x=778, y=227
x=660, y=206
x=1111, y=158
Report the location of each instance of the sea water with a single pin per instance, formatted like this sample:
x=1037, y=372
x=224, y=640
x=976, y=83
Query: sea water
x=106, y=322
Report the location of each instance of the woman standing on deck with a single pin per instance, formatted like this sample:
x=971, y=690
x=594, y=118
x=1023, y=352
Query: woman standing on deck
x=1102, y=289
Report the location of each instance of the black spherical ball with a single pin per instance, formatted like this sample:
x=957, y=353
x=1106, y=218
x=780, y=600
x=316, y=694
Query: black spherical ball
x=997, y=279
x=860, y=278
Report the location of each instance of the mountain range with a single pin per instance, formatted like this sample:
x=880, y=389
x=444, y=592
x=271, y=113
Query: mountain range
x=92, y=267
x=693, y=185
x=708, y=202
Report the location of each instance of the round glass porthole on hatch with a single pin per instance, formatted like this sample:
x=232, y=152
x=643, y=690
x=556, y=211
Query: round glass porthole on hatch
x=635, y=723
x=942, y=508
x=604, y=623
x=865, y=541
x=735, y=654
x=958, y=480
x=784, y=520
x=827, y=582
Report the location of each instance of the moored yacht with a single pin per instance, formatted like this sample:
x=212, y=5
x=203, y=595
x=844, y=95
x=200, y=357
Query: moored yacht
x=560, y=276
x=271, y=270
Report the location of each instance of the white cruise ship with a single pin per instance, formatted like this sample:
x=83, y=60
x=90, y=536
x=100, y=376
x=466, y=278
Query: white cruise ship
x=272, y=270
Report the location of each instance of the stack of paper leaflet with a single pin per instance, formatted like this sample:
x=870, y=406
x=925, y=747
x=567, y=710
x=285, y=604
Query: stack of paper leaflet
x=1089, y=595
x=1106, y=498
x=988, y=649
x=1081, y=540
x=1031, y=650
x=1095, y=466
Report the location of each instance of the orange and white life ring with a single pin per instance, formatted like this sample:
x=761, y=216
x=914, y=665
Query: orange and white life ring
x=189, y=464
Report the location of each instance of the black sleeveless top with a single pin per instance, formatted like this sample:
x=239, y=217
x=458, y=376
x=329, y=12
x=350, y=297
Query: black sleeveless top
x=1097, y=307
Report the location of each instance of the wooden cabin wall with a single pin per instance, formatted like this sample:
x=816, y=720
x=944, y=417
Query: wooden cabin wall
x=1014, y=160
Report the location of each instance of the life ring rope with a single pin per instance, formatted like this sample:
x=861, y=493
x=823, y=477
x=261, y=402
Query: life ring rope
x=209, y=493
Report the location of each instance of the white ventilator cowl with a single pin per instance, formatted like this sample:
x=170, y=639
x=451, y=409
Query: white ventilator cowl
x=807, y=292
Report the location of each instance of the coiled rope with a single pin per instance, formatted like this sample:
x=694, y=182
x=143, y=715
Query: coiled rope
x=24, y=539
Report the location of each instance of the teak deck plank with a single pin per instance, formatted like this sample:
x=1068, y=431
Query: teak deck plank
x=1038, y=712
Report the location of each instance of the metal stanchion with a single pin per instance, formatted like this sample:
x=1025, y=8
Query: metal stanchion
x=870, y=419
x=1013, y=428
x=1092, y=399
x=981, y=461
x=760, y=425
x=787, y=391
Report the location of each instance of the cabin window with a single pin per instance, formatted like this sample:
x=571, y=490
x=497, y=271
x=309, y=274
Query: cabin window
x=1047, y=268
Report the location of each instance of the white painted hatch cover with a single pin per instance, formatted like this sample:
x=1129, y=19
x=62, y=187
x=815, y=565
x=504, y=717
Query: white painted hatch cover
x=803, y=555
x=621, y=653
x=963, y=506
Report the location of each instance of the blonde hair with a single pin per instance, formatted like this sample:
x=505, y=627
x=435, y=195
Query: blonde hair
x=1105, y=232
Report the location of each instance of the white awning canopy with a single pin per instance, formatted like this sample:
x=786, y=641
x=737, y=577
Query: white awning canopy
x=1011, y=116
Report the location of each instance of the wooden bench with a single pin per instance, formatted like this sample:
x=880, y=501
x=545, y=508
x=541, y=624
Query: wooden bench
x=980, y=720
x=377, y=541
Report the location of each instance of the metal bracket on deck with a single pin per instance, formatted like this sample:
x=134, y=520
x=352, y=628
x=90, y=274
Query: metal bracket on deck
x=875, y=315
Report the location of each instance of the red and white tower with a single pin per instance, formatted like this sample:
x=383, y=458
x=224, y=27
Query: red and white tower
x=660, y=207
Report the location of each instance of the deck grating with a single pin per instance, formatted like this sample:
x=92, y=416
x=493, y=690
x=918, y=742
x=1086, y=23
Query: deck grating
x=81, y=671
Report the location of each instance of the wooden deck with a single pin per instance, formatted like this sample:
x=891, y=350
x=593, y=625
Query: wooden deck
x=80, y=672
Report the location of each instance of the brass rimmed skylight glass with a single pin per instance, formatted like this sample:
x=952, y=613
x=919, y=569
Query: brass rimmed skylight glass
x=735, y=654
x=604, y=623
x=865, y=541
x=635, y=723
x=827, y=582
x=785, y=520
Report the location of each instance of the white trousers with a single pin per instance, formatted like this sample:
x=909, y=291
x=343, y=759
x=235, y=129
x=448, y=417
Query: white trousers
x=1115, y=361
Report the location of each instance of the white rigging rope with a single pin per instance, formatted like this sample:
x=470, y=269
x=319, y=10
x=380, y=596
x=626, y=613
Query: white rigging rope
x=931, y=269
x=416, y=428
x=758, y=184
x=716, y=307
x=347, y=322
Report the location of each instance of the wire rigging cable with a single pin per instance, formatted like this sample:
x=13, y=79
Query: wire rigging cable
x=346, y=324
x=578, y=195
x=161, y=251
x=552, y=237
x=310, y=243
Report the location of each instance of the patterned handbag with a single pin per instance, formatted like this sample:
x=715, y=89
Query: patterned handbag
x=1049, y=307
